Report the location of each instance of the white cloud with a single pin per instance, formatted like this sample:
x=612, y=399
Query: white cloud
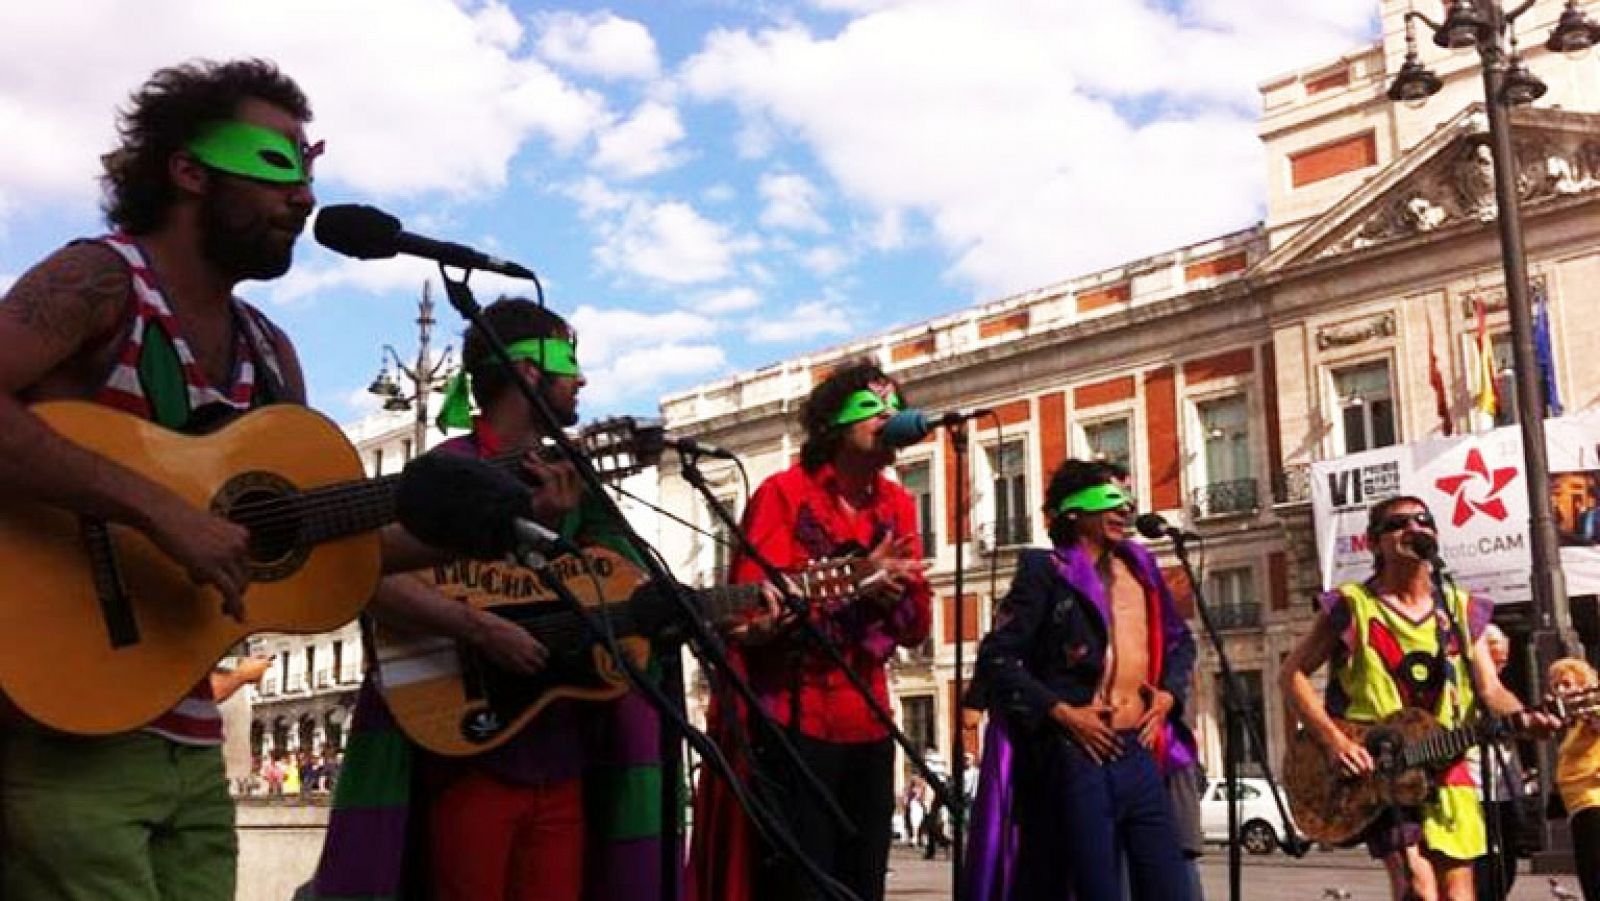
x=599, y=44
x=642, y=144
x=411, y=95
x=1029, y=164
x=731, y=301
x=594, y=197
x=648, y=372
x=669, y=242
x=604, y=333
x=791, y=202
x=719, y=193
x=825, y=260
x=804, y=322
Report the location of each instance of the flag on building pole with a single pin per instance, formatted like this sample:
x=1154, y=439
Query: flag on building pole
x=1487, y=401
x=1441, y=401
x=1542, y=353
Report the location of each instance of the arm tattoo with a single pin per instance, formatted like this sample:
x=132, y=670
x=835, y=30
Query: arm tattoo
x=66, y=298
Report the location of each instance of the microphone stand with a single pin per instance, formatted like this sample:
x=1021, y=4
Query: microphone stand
x=671, y=710
x=1494, y=827
x=801, y=608
x=1236, y=727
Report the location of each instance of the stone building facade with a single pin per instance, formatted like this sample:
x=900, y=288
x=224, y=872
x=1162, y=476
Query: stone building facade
x=1220, y=371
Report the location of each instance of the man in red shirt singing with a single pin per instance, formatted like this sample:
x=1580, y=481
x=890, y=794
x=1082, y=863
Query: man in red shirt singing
x=836, y=502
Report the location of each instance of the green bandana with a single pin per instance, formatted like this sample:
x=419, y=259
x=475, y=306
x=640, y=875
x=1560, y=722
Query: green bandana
x=1096, y=499
x=553, y=356
x=252, y=151
x=865, y=404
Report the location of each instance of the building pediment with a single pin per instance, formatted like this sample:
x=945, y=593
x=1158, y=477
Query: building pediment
x=1447, y=180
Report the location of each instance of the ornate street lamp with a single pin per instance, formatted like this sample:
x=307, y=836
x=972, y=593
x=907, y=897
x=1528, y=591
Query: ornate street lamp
x=1507, y=82
x=425, y=375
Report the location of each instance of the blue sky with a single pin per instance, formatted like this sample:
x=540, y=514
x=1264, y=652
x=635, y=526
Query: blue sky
x=705, y=186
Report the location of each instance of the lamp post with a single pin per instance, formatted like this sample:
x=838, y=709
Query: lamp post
x=425, y=374
x=1485, y=25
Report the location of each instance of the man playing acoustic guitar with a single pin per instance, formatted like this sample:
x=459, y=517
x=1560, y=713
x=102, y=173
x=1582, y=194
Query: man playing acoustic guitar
x=209, y=187
x=1391, y=645
x=568, y=808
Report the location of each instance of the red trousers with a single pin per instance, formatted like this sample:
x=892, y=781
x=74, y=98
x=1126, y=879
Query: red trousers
x=498, y=842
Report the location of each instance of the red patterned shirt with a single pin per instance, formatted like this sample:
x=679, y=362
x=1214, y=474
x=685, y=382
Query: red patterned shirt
x=797, y=517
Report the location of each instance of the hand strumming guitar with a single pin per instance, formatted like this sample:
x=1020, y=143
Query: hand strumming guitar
x=211, y=549
x=888, y=569
x=1348, y=755
x=506, y=644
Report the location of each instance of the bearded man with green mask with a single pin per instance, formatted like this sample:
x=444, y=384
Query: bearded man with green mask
x=209, y=185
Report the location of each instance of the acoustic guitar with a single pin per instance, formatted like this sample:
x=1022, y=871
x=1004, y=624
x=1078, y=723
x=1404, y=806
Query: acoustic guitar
x=1410, y=749
x=101, y=632
x=450, y=700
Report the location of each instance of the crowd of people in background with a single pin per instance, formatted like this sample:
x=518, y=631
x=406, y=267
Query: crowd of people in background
x=302, y=774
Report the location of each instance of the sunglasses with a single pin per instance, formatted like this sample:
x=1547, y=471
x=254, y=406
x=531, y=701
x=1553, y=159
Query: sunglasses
x=1400, y=520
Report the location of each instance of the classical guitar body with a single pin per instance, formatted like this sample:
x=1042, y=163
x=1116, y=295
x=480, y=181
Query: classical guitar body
x=100, y=632
x=451, y=702
x=1335, y=809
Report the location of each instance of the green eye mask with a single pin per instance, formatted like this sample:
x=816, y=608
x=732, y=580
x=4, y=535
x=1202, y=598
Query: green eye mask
x=553, y=356
x=865, y=404
x=251, y=151
x=1096, y=499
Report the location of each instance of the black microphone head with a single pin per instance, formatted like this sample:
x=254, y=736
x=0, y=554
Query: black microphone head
x=1150, y=525
x=1424, y=545
x=363, y=232
x=461, y=504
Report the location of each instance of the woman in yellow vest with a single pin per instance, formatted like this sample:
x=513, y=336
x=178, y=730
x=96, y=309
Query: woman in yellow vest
x=1391, y=644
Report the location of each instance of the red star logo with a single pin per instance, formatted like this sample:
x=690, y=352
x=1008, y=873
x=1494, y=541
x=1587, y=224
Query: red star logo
x=1484, y=501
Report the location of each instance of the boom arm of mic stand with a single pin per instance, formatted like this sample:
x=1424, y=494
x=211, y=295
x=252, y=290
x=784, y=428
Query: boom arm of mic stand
x=460, y=297
x=1233, y=697
x=802, y=609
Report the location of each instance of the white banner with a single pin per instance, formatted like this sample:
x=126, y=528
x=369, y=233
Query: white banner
x=1477, y=489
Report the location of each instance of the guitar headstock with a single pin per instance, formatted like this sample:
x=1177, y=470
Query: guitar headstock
x=1575, y=705
x=622, y=446
x=832, y=579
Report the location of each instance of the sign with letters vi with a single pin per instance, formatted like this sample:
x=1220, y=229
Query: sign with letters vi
x=1477, y=490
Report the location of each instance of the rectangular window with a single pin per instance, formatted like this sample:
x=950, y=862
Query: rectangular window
x=917, y=479
x=1365, y=398
x=1229, y=484
x=1008, y=467
x=405, y=449
x=1253, y=703
x=1111, y=441
x=377, y=461
x=338, y=660
x=722, y=543
x=1231, y=596
x=919, y=720
x=1505, y=380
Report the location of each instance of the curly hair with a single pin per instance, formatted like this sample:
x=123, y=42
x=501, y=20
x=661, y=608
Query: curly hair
x=817, y=413
x=513, y=319
x=166, y=113
x=1070, y=477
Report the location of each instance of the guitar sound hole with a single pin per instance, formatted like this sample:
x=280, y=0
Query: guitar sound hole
x=264, y=503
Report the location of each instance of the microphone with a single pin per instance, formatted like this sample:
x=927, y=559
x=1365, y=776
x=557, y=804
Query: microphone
x=695, y=448
x=368, y=233
x=907, y=427
x=468, y=507
x=1426, y=547
x=1155, y=527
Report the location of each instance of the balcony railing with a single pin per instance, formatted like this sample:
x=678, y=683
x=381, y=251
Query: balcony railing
x=1224, y=499
x=1236, y=616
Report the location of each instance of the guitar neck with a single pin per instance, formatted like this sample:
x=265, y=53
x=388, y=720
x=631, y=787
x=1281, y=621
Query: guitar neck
x=1448, y=744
